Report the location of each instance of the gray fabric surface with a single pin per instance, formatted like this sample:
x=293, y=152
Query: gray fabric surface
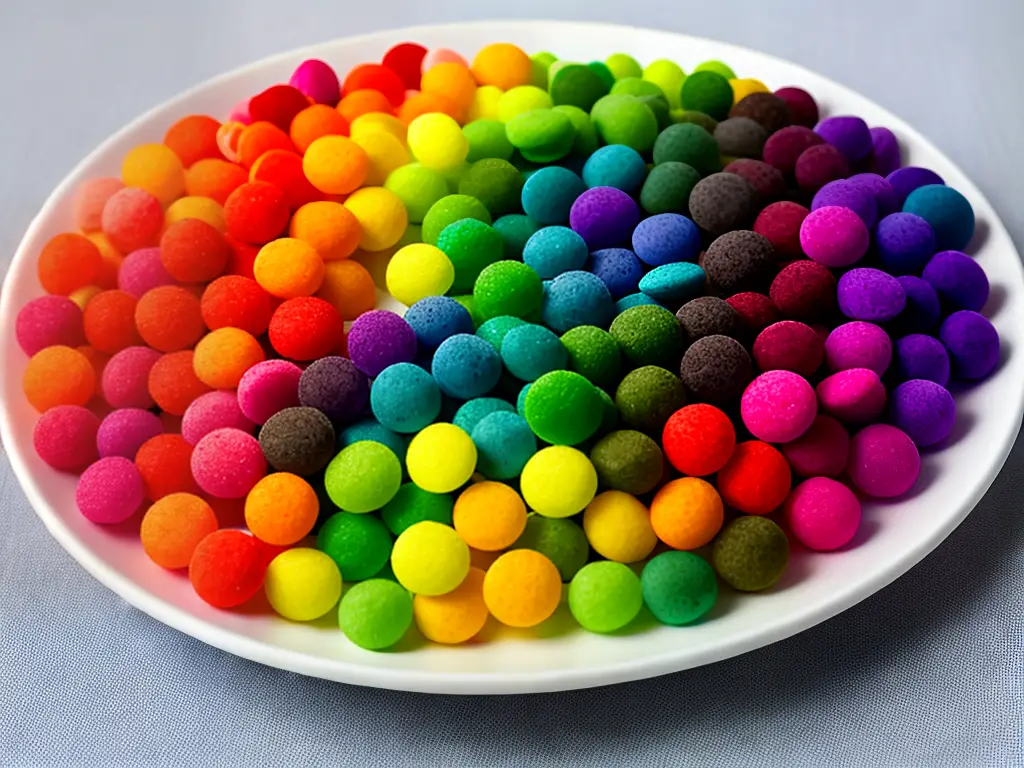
x=927, y=672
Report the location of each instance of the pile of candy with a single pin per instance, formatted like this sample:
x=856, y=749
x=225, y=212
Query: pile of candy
x=639, y=304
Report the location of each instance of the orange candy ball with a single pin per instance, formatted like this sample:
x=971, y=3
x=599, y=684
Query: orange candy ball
x=335, y=165
x=502, y=64
x=284, y=169
x=281, y=509
x=223, y=356
x=424, y=103
x=109, y=320
x=288, y=267
x=68, y=262
x=58, y=376
x=451, y=80
x=489, y=516
x=316, y=121
x=331, y=228
x=215, y=179
x=173, y=527
x=756, y=480
x=169, y=318
x=193, y=138
x=261, y=137
x=348, y=287
x=256, y=212
x=454, y=617
x=173, y=383
x=193, y=251
x=165, y=463
x=522, y=588
x=362, y=102
x=687, y=513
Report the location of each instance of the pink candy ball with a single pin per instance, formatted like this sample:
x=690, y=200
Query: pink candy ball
x=142, y=271
x=240, y=113
x=110, y=491
x=123, y=432
x=854, y=396
x=227, y=463
x=822, y=513
x=884, y=461
x=267, y=388
x=47, y=322
x=822, y=450
x=778, y=406
x=834, y=236
x=125, y=380
x=92, y=195
x=65, y=437
x=440, y=56
x=858, y=345
x=212, y=411
x=318, y=81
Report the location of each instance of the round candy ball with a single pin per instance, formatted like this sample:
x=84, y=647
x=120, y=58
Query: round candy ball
x=666, y=238
x=507, y=288
x=922, y=357
x=870, y=294
x=784, y=147
x=687, y=513
x=668, y=187
x=858, y=345
x=454, y=617
x=435, y=318
x=924, y=410
x=405, y=398
x=690, y=144
x=673, y=284
x=227, y=568
x=364, y=476
x=789, y=346
x=627, y=460
x=522, y=588
x=756, y=311
x=67, y=437
x=441, y=458
x=48, y=321
x=972, y=342
x=450, y=210
x=615, y=165
x=227, y=463
x=504, y=443
x=603, y=217
x=378, y=339
x=375, y=614
x=489, y=516
x=418, y=270
x=576, y=298
x=267, y=388
x=562, y=541
x=884, y=461
x=594, y=354
x=618, y=527
x=466, y=366
x=843, y=194
x=715, y=369
x=173, y=527
x=605, y=596
x=648, y=335
x=905, y=242
x=494, y=182
x=562, y=407
x=699, y=439
x=905, y=180
x=821, y=450
x=947, y=211
x=359, y=545
x=334, y=386
x=298, y=440
x=780, y=222
x=647, y=396
x=921, y=314
x=822, y=513
x=751, y=553
x=804, y=290
x=756, y=480
x=739, y=261
x=549, y=194
x=125, y=378
x=740, y=137
x=880, y=189
x=121, y=433
x=529, y=351
x=958, y=280
x=678, y=587
x=722, y=202
x=619, y=268
x=302, y=584
x=553, y=250
x=708, y=316
x=470, y=245
x=109, y=491
x=854, y=396
x=778, y=406
x=558, y=481
x=849, y=134
x=834, y=236
x=281, y=509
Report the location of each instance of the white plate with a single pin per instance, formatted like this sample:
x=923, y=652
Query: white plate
x=894, y=537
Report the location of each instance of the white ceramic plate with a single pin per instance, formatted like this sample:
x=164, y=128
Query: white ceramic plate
x=895, y=536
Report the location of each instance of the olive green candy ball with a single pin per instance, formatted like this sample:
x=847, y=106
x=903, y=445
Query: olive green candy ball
x=750, y=553
x=487, y=139
x=659, y=106
x=508, y=288
x=667, y=188
x=375, y=614
x=627, y=460
x=448, y=210
x=360, y=545
x=707, y=92
x=578, y=85
x=541, y=135
x=678, y=587
x=586, y=142
x=609, y=415
x=624, y=119
x=594, y=353
x=560, y=540
x=648, y=396
x=688, y=143
x=413, y=505
x=605, y=596
x=495, y=183
x=515, y=229
x=470, y=245
x=707, y=122
x=649, y=335
x=418, y=187
x=562, y=408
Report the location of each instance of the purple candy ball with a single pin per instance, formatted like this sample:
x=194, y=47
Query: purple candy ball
x=922, y=310
x=380, y=338
x=881, y=190
x=905, y=242
x=603, y=217
x=49, y=321
x=858, y=345
x=142, y=271
x=972, y=343
x=124, y=431
x=958, y=280
x=848, y=134
x=870, y=294
x=834, y=236
x=922, y=357
x=842, y=193
x=317, y=80
x=885, y=156
x=924, y=410
x=618, y=268
x=884, y=461
x=335, y=387
x=906, y=180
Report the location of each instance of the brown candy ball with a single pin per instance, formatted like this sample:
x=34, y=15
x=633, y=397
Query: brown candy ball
x=722, y=202
x=765, y=108
x=716, y=369
x=709, y=316
x=739, y=261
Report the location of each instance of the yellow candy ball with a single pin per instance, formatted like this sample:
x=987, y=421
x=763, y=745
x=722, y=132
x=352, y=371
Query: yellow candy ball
x=385, y=153
x=489, y=516
x=521, y=99
x=522, y=588
x=668, y=76
x=156, y=169
x=419, y=270
x=619, y=528
x=203, y=208
x=302, y=584
x=437, y=141
x=744, y=86
x=373, y=122
x=430, y=558
x=441, y=458
x=381, y=215
x=558, y=481
x=456, y=616
x=485, y=103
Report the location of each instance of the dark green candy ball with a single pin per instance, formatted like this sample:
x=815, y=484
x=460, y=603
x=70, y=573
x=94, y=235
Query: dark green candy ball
x=495, y=183
x=578, y=85
x=562, y=541
x=750, y=554
x=707, y=92
x=678, y=587
x=667, y=188
x=688, y=143
x=648, y=396
x=649, y=335
x=413, y=505
x=627, y=460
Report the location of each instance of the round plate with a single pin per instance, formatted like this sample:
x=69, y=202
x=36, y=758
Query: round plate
x=557, y=655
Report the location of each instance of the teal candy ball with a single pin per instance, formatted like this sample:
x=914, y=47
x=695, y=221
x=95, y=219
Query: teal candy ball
x=674, y=284
x=549, y=193
x=615, y=165
x=493, y=331
x=515, y=230
x=504, y=443
x=466, y=366
x=405, y=398
x=473, y=411
x=577, y=298
x=529, y=351
x=948, y=212
x=553, y=250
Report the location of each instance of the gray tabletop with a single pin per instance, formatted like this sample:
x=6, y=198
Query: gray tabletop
x=928, y=672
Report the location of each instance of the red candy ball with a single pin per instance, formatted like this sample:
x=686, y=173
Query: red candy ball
x=376, y=78
x=789, y=346
x=165, y=463
x=279, y=104
x=406, y=61
x=780, y=223
x=227, y=568
x=804, y=290
x=306, y=328
x=192, y=251
x=756, y=310
x=234, y=301
x=756, y=480
x=65, y=437
x=698, y=439
x=818, y=165
x=256, y=213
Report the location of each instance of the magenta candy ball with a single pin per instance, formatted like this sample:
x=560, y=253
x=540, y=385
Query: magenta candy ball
x=110, y=490
x=142, y=271
x=822, y=450
x=858, y=344
x=884, y=461
x=47, y=322
x=122, y=432
x=227, y=463
x=318, y=81
x=65, y=437
x=267, y=388
x=778, y=406
x=822, y=513
x=125, y=380
x=214, y=410
x=834, y=236
x=854, y=396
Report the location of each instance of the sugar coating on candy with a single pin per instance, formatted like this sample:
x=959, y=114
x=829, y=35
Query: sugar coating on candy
x=605, y=596
x=214, y=410
x=922, y=357
x=667, y=188
x=405, y=398
x=441, y=457
x=562, y=408
x=124, y=431
x=858, y=345
x=924, y=410
x=435, y=318
x=834, y=236
x=549, y=194
x=756, y=480
x=972, y=343
x=756, y=310
x=619, y=528
x=558, y=481
x=823, y=514
x=504, y=442
x=740, y=137
x=804, y=290
x=958, y=280
x=715, y=368
x=678, y=587
x=164, y=461
x=132, y=219
x=789, y=345
x=109, y=323
x=751, y=553
x=522, y=588
x=364, y=476
x=173, y=527
x=576, y=298
x=780, y=222
x=623, y=119
x=616, y=166
x=173, y=383
x=304, y=328
x=359, y=545
x=870, y=294
x=778, y=406
x=227, y=463
x=738, y=261
x=666, y=238
x=466, y=366
x=378, y=339
x=227, y=568
x=58, y=375
x=603, y=216
x=822, y=450
x=49, y=321
x=627, y=460
x=922, y=310
x=470, y=245
x=334, y=386
x=905, y=180
x=648, y=335
x=722, y=202
x=281, y=509
x=169, y=318
x=489, y=516
x=65, y=437
x=767, y=109
x=553, y=250
x=141, y=271
x=507, y=288
x=699, y=439
x=529, y=351
x=454, y=617
x=854, y=396
x=299, y=440
x=687, y=513
x=884, y=462
x=493, y=331
x=843, y=194
x=618, y=268
x=375, y=614
x=818, y=165
x=905, y=243
x=109, y=491
x=885, y=151
x=223, y=356
x=302, y=584
x=68, y=262
x=707, y=316
x=267, y=388
x=494, y=182
x=256, y=212
x=647, y=396
x=237, y=302
x=689, y=144
x=673, y=284
x=594, y=353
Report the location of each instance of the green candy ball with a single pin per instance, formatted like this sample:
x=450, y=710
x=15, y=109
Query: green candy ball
x=360, y=545
x=578, y=85
x=750, y=553
x=507, y=288
x=470, y=245
x=363, y=477
x=594, y=353
x=667, y=188
x=487, y=139
x=602, y=71
x=467, y=301
x=418, y=188
x=627, y=460
x=678, y=587
x=648, y=396
x=448, y=210
x=371, y=429
x=688, y=143
x=609, y=415
x=624, y=119
x=413, y=505
x=623, y=66
x=375, y=614
x=605, y=596
x=636, y=86
x=540, y=63
x=515, y=229
x=586, y=141
x=649, y=335
x=707, y=92
x=541, y=135
x=562, y=408
x=494, y=182
x=559, y=539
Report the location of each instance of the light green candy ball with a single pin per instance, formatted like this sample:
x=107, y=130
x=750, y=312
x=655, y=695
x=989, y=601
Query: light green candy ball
x=605, y=596
x=522, y=98
x=375, y=614
x=539, y=70
x=622, y=65
x=487, y=139
x=716, y=66
x=624, y=119
x=363, y=477
x=668, y=76
x=586, y=142
x=448, y=210
x=418, y=188
x=541, y=135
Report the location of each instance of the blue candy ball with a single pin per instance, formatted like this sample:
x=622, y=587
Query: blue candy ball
x=375, y=432
x=504, y=443
x=616, y=166
x=634, y=300
x=553, y=250
x=529, y=351
x=904, y=242
x=577, y=298
x=949, y=213
x=666, y=238
x=435, y=318
x=473, y=411
x=405, y=398
x=466, y=366
x=674, y=284
x=549, y=193
x=618, y=268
